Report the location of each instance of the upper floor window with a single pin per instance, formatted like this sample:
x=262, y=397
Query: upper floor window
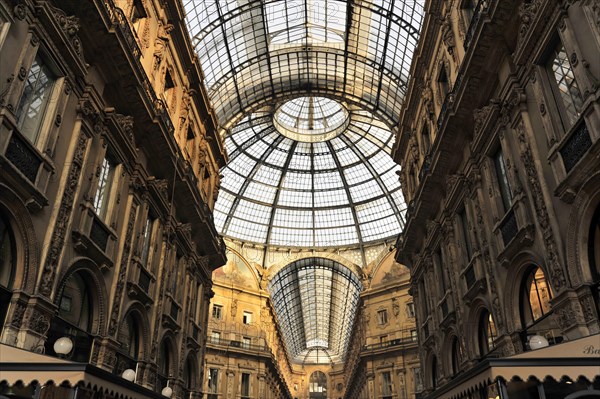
x=138, y=13
x=438, y=261
x=190, y=143
x=535, y=296
x=247, y=317
x=456, y=356
x=217, y=312
x=35, y=99
x=569, y=98
x=146, y=239
x=246, y=342
x=245, y=389
x=382, y=317
x=503, y=182
x=105, y=179
x=410, y=309
x=387, y=388
x=213, y=380
x=413, y=335
x=468, y=9
x=443, y=83
x=425, y=140
x=464, y=227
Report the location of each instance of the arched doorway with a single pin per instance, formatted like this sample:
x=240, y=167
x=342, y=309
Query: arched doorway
x=317, y=387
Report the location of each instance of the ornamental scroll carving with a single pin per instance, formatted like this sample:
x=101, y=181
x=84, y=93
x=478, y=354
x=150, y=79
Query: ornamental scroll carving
x=70, y=26
x=63, y=218
x=541, y=211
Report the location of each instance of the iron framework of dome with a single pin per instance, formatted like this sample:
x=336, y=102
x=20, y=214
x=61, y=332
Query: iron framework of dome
x=305, y=92
x=286, y=193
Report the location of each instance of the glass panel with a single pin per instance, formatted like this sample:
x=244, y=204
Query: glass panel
x=502, y=176
x=566, y=84
x=37, y=91
x=105, y=178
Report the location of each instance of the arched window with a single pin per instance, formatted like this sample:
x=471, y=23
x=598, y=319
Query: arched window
x=456, y=356
x=164, y=364
x=129, y=337
x=487, y=332
x=317, y=387
x=189, y=374
x=535, y=296
x=76, y=318
x=7, y=266
x=76, y=303
x=434, y=376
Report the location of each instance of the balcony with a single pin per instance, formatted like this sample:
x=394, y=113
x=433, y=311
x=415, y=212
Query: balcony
x=398, y=343
x=575, y=147
x=140, y=282
x=237, y=345
x=94, y=238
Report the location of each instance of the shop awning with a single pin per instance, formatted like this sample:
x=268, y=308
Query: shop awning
x=24, y=368
x=573, y=360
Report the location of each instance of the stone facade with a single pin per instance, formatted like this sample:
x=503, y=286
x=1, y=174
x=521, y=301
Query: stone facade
x=380, y=344
x=499, y=145
x=109, y=164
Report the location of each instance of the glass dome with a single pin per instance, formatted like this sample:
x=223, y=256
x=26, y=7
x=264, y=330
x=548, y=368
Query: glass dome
x=322, y=194
x=311, y=119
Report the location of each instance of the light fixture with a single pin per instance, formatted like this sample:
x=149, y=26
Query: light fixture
x=167, y=391
x=537, y=342
x=63, y=346
x=129, y=375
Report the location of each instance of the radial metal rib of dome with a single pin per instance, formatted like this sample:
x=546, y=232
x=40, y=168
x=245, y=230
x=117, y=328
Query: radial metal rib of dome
x=286, y=193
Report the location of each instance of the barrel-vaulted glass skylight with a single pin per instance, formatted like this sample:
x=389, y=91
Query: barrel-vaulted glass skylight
x=287, y=193
x=315, y=301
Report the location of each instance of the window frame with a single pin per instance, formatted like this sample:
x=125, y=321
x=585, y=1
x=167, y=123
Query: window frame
x=245, y=386
x=39, y=137
x=567, y=121
x=247, y=317
x=109, y=169
x=503, y=183
x=217, y=311
x=382, y=317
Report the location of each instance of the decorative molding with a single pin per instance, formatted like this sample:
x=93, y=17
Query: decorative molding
x=57, y=242
x=543, y=218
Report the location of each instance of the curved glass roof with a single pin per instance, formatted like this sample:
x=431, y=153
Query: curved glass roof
x=315, y=301
x=311, y=119
x=253, y=51
x=287, y=193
